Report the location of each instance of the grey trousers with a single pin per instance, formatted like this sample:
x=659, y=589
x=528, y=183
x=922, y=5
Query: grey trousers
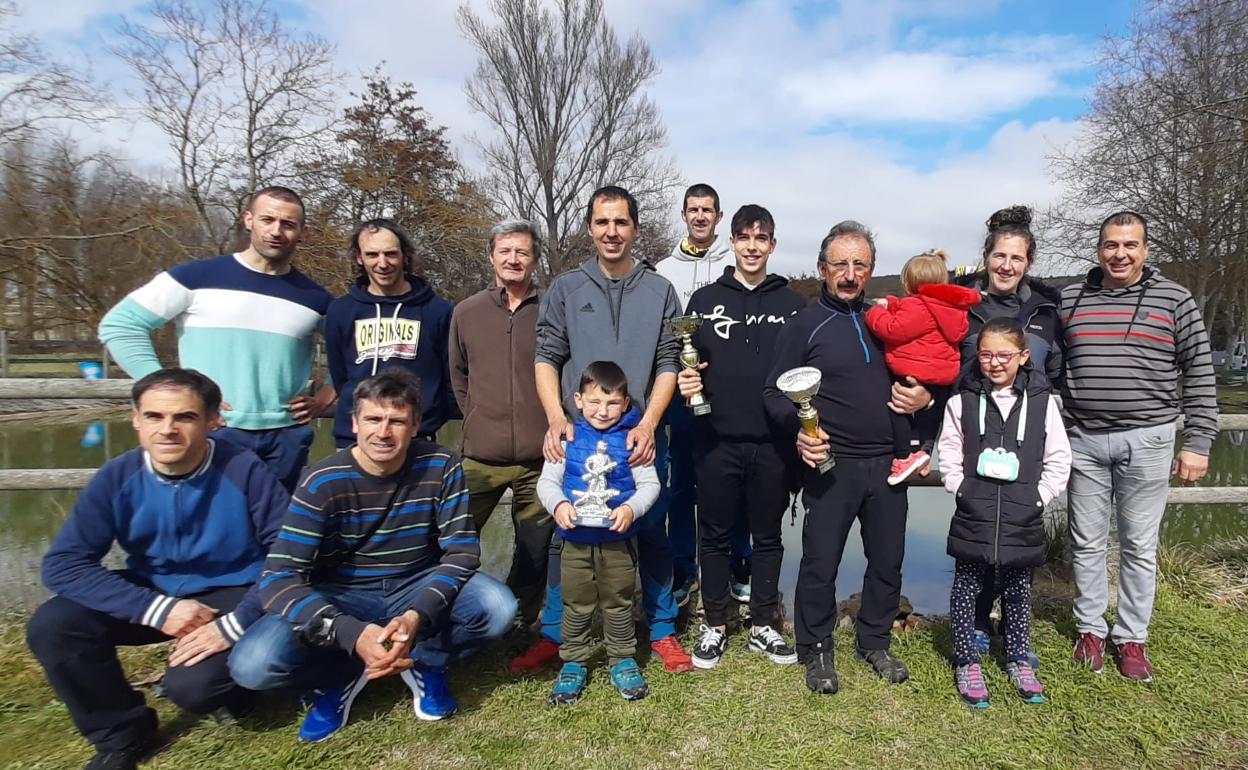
x=1124, y=474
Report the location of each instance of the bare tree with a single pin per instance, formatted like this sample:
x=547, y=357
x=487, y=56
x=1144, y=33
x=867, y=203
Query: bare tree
x=567, y=101
x=78, y=231
x=35, y=89
x=239, y=98
x=1167, y=135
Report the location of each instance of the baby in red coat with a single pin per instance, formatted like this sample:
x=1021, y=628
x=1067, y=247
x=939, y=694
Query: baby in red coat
x=921, y=333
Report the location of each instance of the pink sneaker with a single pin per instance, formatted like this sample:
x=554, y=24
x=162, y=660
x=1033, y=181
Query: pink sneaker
x=969, y=680
x=1025, y=682
x=904, y=469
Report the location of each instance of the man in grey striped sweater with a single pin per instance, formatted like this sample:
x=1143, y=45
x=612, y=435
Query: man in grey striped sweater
x=1137, y=357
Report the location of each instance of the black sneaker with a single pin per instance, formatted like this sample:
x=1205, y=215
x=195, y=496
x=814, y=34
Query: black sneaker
x=768, y=641
x=889, y=668
x=710, y=648
x=125, y=759
x=821, y=673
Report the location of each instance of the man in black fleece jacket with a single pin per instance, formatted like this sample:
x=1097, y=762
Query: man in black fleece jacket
x=853, y=403
x=739, y=464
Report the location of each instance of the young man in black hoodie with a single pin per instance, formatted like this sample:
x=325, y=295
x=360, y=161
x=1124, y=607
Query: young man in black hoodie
x=389, y=318
x=853, y=403
x=739, y=463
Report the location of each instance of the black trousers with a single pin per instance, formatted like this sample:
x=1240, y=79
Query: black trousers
x=921, y=427
x=856, y=488
x=77, y=647
x=736, y=476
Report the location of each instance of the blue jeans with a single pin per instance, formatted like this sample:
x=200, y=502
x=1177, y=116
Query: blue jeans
x=654, y=562
x=283, y=450
x=271, y=655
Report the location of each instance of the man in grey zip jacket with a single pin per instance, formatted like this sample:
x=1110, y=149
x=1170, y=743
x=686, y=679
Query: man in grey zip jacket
x=615, y=308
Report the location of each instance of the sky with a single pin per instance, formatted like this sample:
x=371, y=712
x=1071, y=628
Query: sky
x=916, y=117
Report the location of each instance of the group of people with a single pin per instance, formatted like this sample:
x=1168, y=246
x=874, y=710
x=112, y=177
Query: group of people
x=266, y=574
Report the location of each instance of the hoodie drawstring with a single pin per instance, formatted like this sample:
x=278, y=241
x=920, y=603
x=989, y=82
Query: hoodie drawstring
x=394, y=321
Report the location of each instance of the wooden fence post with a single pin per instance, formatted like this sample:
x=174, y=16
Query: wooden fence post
x=4, y=352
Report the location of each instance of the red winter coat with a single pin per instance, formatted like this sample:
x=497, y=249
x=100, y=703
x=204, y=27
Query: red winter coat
x=921, y=334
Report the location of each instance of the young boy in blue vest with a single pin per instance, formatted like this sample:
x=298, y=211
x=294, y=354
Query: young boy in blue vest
x=596, y=499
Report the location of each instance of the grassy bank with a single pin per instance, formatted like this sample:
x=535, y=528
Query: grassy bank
x=749, y=713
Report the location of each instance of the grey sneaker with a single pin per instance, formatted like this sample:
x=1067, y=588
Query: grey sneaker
x=889, y=668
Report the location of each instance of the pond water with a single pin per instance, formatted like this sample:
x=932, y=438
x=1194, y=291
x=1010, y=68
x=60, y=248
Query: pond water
x=29, y=520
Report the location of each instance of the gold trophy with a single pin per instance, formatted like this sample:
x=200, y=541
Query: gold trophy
x=684, y=326
x=801, y=385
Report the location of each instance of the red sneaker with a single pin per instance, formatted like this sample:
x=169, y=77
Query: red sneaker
x=675, y=659
x=1090, y=651
x=537, y=657
x=1133, y=662
x=904, y=469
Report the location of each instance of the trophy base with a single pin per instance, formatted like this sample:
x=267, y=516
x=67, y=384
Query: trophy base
x=599, y=522
x=826, y=464
x=701, y=409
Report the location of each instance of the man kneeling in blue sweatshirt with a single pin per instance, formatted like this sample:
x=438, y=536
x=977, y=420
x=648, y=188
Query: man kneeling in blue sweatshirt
x=596, y=499
x=194, y=518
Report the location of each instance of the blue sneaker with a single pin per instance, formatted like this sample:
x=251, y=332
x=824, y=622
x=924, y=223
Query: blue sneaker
x=431, y=697
x=628, y=680
x=570, y=684
x=330, y=709
x=982, y=642
x=741, y=592
x=681, y=592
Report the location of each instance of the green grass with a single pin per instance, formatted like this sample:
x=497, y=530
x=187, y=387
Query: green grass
x=747, y=713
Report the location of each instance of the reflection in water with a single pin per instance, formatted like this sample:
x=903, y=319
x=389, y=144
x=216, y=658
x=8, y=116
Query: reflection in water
x=29, y=520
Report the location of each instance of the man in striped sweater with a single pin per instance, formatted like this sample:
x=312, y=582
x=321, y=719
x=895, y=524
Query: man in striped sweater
x=1137, y=357
x=374, y=571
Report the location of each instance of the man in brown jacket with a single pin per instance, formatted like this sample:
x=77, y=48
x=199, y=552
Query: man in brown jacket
x=492, y=347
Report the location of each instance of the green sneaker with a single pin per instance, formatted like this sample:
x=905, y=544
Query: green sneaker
x=628, y=680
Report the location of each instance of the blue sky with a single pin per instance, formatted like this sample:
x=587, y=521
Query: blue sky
x=918, y=117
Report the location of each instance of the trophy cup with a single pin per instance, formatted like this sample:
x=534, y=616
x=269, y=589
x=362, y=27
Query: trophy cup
x=801, y=385
x=684, y=326
x=591, y=505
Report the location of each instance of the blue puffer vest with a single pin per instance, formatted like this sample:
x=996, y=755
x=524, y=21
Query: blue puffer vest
x=620, y=477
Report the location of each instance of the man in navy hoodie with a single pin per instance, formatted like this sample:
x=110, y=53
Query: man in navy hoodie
x=741, y=467
x=194, y=517
x=389, y=318
x=853, y=404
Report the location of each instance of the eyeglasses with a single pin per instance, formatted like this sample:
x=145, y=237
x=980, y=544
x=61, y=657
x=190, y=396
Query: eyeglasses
x=841, y=266
x=1001, y=356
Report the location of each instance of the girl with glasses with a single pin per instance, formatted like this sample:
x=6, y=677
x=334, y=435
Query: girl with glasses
x=1004, y=454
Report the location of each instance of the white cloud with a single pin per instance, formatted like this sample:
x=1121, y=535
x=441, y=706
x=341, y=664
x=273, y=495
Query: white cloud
x=811, y=184
x=920, y=87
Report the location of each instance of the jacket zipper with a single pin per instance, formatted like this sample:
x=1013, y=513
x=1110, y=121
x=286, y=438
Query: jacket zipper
x=511, y=375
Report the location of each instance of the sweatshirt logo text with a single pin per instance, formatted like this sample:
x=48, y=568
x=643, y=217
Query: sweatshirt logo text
x=386, y=338
x=723, y=323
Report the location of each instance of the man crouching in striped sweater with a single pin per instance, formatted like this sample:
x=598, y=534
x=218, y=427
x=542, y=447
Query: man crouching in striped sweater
x=1137, y=355
x=374, y=572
